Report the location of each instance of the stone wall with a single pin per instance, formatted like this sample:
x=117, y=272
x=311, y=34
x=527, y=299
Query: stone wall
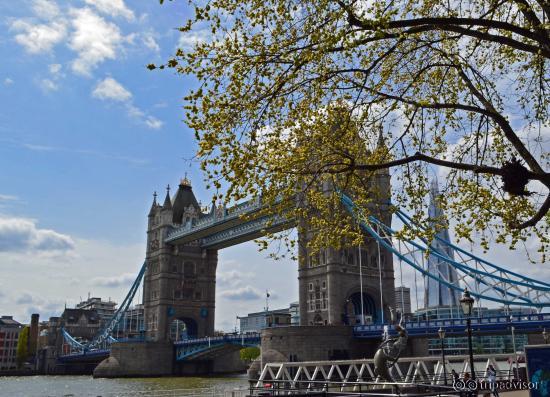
x=137, y=359
x=310, y=343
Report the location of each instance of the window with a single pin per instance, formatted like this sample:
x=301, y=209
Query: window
x=324, y=285
x=311, y=286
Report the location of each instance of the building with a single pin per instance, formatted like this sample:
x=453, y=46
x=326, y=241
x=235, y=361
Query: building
x=9, y=336
x=81, y=324
x=354, y=284
x=403, y=301
x=294, y=311
x=131, y=324
x=438, y=294
x=104, y=309
x=179, y=284
x=486, y=344
x=255, y=322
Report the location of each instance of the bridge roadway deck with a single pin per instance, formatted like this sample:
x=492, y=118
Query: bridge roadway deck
x=225, y=227
x=533, y=323
x=482, y=325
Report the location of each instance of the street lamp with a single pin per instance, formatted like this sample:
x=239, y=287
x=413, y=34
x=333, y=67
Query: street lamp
x=467, y=304
x=545, y=335
x=512, y=328
x=441, y=333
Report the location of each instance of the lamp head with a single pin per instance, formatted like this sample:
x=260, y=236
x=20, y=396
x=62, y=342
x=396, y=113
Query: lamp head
x=466, y=303
x=441, y=333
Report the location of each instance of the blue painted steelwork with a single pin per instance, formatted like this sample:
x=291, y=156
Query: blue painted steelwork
x=499, y=284
x=191, y=347
x=457, y=326
x=409, y=222
x=104, y=337
x=80, y=356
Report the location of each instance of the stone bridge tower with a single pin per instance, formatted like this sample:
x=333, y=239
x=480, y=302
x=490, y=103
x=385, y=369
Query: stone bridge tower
x=329, y=282
x=180, y=281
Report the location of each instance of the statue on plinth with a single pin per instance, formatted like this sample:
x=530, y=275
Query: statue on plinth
x=389, y=352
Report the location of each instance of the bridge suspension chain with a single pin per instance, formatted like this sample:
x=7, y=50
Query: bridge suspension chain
x=104, y=336
x=484, y=279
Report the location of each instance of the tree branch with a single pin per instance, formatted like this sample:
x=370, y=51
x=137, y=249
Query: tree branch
x=543, y=210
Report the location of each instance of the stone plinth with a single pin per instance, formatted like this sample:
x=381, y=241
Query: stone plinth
x=137, y=359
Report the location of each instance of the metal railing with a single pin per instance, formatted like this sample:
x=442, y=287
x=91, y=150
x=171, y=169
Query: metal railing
x=457, y=325
x=356, y=374
x=386, y=389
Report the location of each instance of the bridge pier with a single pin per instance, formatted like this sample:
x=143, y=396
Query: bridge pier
x=137, y=359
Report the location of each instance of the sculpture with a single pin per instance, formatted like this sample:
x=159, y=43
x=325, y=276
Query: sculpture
x=389, y=352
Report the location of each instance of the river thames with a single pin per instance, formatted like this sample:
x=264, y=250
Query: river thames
x=86, y=386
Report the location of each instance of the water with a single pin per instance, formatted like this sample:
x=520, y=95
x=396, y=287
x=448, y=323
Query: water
x=86, y=386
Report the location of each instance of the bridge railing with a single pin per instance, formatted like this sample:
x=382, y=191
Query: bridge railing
x=519, y=321
x=219, y=339
x=350, y=375
x=224, y=215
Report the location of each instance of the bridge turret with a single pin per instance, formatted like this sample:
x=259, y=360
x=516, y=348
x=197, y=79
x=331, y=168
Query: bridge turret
x=179, y=283
x=185, y=207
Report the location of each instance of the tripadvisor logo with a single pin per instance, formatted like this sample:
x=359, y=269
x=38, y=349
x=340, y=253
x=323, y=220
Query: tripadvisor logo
x=472, y=385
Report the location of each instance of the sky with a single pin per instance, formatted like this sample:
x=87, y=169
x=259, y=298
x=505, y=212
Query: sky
x=87, y=133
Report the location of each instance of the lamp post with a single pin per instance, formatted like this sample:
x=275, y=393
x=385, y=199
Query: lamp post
x=512, y=328
x=441, y=333
x=467, y=304
x=545, y=336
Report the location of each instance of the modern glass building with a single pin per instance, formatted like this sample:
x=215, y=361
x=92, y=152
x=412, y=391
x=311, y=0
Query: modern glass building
x=482, y=344
x=438, y=294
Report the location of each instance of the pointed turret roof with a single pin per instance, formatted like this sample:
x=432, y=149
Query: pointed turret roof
x=154, y=205
x=380, y=142
x=167, y=201
x=183, y=199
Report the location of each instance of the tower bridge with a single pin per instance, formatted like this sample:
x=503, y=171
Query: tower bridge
x=179, y=278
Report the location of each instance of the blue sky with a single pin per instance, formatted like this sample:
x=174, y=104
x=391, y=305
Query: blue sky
x=87, y=133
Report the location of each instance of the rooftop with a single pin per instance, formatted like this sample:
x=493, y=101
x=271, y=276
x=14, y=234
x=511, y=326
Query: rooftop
x=9, y=321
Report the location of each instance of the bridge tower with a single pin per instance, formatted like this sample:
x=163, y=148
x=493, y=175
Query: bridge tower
x=329, y=282
x=180, y=281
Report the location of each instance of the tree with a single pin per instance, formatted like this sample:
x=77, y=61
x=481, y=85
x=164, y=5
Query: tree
x=249, y=354
x=22, y=352
x=293, y=94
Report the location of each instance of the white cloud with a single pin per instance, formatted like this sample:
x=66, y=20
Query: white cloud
x=188, y=40
x=114, y=281
x=45, y=283
x=48, y=85
x=55, y=68
x=38, y=38
x=24, y=298
x=247, y=293
x=150, y=42
x=153, y=123
x=8, y=81
x=94, y=40
x=22, y=234
x=46, y=9
x=110, y=89
x=8, y=197
x=113, y=8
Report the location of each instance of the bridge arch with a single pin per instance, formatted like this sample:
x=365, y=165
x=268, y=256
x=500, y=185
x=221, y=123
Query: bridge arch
x=352, y=308
x=182, y=328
